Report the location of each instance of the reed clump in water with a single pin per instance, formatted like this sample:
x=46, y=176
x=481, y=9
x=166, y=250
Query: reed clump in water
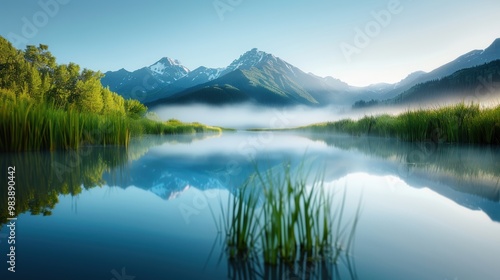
x=279, y=217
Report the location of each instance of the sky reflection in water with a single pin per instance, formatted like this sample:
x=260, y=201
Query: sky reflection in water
x=431, y=217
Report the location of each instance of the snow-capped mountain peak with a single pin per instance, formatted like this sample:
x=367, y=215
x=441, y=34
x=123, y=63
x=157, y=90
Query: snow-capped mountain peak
x=170, y=68
x=250, y=59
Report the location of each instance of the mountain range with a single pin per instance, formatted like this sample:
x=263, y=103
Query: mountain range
x=262, y=78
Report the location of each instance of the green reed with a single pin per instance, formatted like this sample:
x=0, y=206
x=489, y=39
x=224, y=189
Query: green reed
x=282, y=216
x=241, y=223
x=26, y=126
x=460, y=123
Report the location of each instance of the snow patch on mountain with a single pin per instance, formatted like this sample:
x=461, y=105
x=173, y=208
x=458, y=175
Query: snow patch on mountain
x=158, y=68
x=169, y=70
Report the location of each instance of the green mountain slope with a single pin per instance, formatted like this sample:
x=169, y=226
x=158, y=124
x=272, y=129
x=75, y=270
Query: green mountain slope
x=476, y=82
x=479, y=83
x=240, y=86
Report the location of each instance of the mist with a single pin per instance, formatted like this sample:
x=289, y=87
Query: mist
x=245, y=116
x=253, y=116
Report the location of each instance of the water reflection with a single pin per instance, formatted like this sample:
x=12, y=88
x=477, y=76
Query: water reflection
x=147, y=208
x=470, y=169
x=302, y=269
x=43, y=176
x=469, y=175
x=249, y=270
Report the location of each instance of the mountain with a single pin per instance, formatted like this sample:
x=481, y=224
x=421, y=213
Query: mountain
x=470, y=59
x=144, y=83
x=265, y=79
x=256, y=76
x=198, y=76
x=474, y=83
x=168, y=70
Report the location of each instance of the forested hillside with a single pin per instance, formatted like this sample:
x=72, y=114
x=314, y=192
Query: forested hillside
x=45, y=105
x=33, y=75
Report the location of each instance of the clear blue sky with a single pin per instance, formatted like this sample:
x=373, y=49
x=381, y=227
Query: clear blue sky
x=108, y=35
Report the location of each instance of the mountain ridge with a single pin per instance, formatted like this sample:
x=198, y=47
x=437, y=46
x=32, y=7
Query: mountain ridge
x=168, y=81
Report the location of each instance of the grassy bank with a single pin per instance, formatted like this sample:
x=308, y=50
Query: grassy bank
x=26, y=126
x=460, y=123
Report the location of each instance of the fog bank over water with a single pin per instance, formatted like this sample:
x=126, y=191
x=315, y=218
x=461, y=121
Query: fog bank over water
x=245, y=116
x=252, y=116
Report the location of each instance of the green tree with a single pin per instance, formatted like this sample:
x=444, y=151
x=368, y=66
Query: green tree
x=34, y=83
x=88, y=92
x=34, y=75
x=41, y=58
x=60, y=88
x=135, y=109
x=12, y=67
x=112, y=104
x=120, y=103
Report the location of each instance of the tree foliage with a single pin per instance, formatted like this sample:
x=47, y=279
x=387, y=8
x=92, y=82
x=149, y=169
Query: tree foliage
x=134, y=108
x=34, y=75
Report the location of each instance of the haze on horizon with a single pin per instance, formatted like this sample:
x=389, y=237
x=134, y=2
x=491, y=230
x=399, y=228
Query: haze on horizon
x=321, y=37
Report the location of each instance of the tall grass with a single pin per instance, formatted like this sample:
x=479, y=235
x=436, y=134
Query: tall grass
x=241, y=223
x=285, y=219
x=25, y=126
x=461, y=123
x=173, y=126
x=295, y=218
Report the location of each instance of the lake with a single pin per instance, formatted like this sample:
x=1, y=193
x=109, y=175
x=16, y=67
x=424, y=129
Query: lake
x=428, y=210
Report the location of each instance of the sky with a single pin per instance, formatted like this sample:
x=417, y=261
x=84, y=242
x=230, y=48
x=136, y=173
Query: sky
x=360, y=42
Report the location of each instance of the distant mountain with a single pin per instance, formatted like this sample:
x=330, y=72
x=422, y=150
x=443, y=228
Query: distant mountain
x=470, y=59
x=476, y=82
x=144, y=83
x=168, y=70
x=265, y=79
x=262, y=78
x=198, y=76
x=255, y=76
x=410, y=79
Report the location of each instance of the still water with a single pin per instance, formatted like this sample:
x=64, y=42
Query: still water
x=429, y=211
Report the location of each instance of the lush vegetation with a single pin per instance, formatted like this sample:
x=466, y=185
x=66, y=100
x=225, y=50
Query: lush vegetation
x=460, y=123
x=286, y=219
x=45, y=105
